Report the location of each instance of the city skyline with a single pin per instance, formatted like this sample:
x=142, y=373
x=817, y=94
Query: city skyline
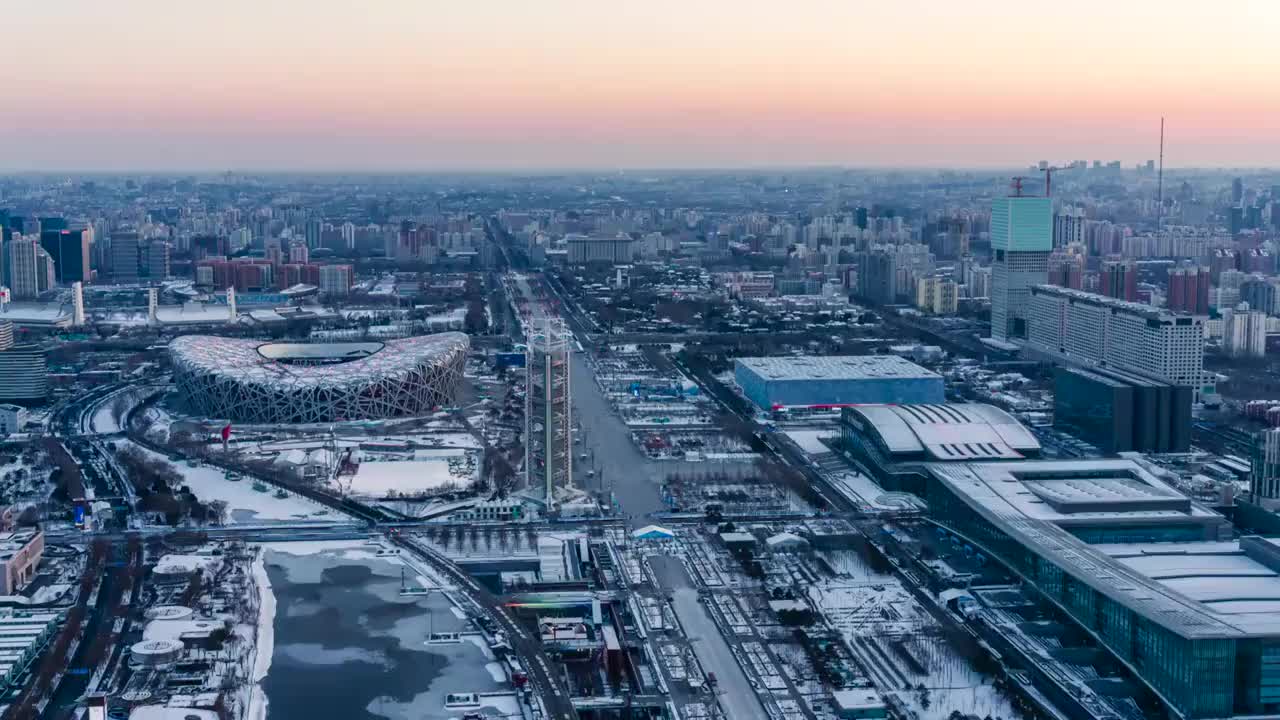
x=491, y=86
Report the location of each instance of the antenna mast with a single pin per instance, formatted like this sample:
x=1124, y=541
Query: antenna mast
x=1160, y=186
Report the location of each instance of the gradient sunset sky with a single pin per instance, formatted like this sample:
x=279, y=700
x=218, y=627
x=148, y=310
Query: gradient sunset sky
x=528, y=84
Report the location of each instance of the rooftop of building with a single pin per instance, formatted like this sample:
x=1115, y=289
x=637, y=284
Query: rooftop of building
x=1148, y=311
x=836, y=367
x=950, y=432
x=13, y=542
x=34, y=314
x=1034, y=503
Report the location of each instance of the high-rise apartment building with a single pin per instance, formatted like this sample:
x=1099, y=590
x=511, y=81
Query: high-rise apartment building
x=312, y=233
x=1068, y=227
x=1244, y=332
x=46, y=271
x=1096, y=331
x=335, y=279
x=1119, y=279
x=1261, y=294
x=1264, y=475
x=24, y=277
x=877, y=277
x=1066, y=270
x=937, y=295
x=1021, y=240
x=1189, y=290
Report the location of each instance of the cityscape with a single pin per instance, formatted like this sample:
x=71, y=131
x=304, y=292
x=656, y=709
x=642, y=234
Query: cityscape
x=501, y=412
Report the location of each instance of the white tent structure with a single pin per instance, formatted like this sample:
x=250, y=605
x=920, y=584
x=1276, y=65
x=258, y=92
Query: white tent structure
x=652, y=532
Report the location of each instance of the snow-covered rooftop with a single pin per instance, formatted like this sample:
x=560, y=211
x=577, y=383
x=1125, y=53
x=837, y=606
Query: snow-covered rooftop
x=948, y=432
x=1001, y=494
x=836, y=367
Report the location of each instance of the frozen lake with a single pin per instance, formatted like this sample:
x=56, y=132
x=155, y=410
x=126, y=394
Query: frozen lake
x=349, y=645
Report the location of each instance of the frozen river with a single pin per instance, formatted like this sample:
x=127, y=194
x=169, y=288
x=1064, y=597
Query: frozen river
x=349, y=645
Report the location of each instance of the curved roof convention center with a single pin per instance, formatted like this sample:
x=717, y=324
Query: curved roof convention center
x=955, y=431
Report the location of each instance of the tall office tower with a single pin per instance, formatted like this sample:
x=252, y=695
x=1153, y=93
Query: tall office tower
x=126, y=257
x=1068, y=226
x=156, y=257
x=548, y=425
x=70, y=252
x=1264, y=465
x=349, y=235
x=1066, y=270
x=4, y=257
x=335, y=279
x=312, y=232
x=1237, y=191
x=299, y=254
x=1096, y=331
x=1021, y=240
x=24, y=280
x=1244, y=332
x=1119, y=279
x=1235, y=219
x=878, y=277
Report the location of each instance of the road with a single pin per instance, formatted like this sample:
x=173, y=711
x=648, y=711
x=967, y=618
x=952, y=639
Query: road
x=636, y=481
x=734, y=690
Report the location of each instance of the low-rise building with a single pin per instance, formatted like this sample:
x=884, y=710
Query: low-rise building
x=20, y=553
x=776, y=382
x=12, y=418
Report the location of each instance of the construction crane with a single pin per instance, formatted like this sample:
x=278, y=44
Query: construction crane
x=1016, y=185
x=1048, y=169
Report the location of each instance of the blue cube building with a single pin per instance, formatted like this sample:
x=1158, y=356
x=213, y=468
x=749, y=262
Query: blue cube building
x=788, y=381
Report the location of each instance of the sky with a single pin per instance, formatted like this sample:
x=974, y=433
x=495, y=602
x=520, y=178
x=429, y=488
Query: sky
x=421, y=85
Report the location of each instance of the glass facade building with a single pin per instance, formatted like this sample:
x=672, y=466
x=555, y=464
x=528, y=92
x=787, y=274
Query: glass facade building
x=1121, y=412
x=1207, y=649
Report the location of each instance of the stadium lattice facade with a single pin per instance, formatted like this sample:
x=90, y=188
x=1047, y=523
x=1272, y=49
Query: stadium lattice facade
x=250, y=381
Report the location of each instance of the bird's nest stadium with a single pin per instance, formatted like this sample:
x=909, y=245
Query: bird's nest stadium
x=250, y=381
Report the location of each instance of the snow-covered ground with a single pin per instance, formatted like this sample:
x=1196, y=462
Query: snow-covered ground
x=429, y=470
x=244, y=504
x=264, y=641
x=810, y=441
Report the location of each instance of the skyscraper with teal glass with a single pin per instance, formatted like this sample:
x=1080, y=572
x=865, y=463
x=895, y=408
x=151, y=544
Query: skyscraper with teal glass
x=1021, y=240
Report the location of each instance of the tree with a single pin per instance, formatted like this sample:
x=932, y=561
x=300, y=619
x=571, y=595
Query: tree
x=216, y=512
